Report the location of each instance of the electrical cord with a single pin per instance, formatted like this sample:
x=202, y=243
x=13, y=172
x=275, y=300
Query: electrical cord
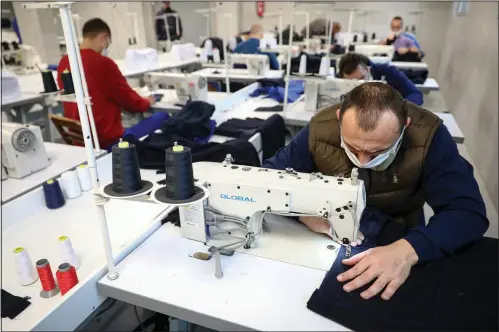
x=106, y=308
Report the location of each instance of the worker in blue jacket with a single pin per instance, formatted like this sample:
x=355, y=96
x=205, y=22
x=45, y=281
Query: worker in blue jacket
x=406, y=157
x=358, y=66
x=252, y=46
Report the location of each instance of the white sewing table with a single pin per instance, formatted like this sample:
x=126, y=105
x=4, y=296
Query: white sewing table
x=236, y=75
x=28, y=223
x=62, y=158
x=409, y=65
x=430, y=84
x=166, y=61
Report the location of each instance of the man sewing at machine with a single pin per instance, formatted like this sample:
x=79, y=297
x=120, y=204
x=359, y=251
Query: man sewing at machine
x=406, y=157
x=252, y=46
x=406, y=45
x=108, y=88
x=359, y=67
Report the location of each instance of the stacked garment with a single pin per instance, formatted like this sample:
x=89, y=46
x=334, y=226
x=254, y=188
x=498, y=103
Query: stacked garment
x=455, y=293
x=273, y=132
x=193, y=128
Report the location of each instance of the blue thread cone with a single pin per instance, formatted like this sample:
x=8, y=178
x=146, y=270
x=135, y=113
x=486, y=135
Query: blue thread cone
x=54, y=198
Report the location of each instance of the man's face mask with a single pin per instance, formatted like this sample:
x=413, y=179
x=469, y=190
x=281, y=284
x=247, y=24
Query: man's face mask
x=105, y=50
x=381, y=161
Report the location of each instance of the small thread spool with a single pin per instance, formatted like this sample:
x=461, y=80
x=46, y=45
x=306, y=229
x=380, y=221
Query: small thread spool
x=66, y=277
x=303, y=65
x=49, y=287
x=24, y=268
x=49, y=85
x=325, y=65
x=70, y=185
x=216, y=55
x=67, y=252
x=54, y=198
x=83, y=174
x=179, y=175
x=373, y=37
x=67, y=82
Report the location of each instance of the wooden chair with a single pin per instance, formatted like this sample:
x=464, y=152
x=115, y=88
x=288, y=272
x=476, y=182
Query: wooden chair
x=69, y=129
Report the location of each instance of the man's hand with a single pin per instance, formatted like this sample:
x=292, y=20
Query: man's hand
x=390, y=265
x=402, y=50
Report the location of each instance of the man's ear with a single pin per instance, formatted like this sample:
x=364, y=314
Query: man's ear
x=338, y=113
x=407, y=122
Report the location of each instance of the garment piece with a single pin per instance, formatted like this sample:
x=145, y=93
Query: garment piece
x=252, y=46
x=295, y=90
x=192, y=121
x=415, y=41
x=397, y=80
x=406, y=57
x=13, y=305
x=447, y=294
x=217, y=43
x=273, y=132
x=172, y=25
x=206, y=139
x=445, y=182
x=277, y=108
x=110, y=94
x=416, y=76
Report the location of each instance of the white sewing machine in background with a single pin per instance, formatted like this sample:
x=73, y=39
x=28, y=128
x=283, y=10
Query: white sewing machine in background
x=373, y=50
x=248, y=194
x=26, y=60
x=257, y=64
x=187, y=86
x=23, y=151
x=320, y=93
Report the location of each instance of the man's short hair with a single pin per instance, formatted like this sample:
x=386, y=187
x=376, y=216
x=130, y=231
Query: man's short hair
x=370, y=101
x=93, y=27
x=397, y=18
x=349, y=63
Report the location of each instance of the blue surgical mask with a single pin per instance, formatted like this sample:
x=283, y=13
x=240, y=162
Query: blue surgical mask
x=105, y=50
x=381, y=161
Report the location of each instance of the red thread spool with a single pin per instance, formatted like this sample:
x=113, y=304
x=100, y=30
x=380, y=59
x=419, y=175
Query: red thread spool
x=45, y=274
x=66, y=277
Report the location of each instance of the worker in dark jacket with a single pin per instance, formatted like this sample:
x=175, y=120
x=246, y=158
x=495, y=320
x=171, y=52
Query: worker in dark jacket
x=358, y=66
x=252, y=46
x=175, y=34
x=406, y=157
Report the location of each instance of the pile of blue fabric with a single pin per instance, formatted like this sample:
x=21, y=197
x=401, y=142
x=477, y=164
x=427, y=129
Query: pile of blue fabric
x=275, y=89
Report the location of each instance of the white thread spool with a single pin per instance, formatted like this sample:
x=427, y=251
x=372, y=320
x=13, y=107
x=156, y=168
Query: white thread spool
x=24, y=267
x=204, y=56
x=216, y=55
x=325, y=64
x=208, y=47
x=303, y=65
x=68, y=254
x=84, y=178
x=70, y=185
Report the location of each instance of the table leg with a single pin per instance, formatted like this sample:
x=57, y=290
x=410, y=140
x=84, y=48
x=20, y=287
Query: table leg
x=46, y=120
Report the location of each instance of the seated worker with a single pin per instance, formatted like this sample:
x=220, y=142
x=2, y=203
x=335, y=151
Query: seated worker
x=108, y=89
x=406, y=157
x=252, y=46
x=404, y=42
x=359, y=67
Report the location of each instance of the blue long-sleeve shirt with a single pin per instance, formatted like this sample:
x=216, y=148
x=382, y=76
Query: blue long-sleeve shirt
x=397, y=80
x=449, y=187
x=252, y=46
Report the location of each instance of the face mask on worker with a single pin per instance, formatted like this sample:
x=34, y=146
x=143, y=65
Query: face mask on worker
x=381, y=161
x=366, y=74
x=105, y=50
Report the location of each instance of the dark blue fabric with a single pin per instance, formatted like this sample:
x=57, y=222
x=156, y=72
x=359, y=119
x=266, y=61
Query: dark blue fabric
x=397, y=80
x=205, y=140
x=453, y=293
x=295, y=90
x=15, y=27
x=449, y=187
x=252, y=46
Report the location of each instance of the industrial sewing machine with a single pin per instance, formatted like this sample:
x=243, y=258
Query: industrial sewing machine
x=257, y=64
x=23, y=61
x=187, y=86
x=242, y=195
x=320, y=93
x=23, y=151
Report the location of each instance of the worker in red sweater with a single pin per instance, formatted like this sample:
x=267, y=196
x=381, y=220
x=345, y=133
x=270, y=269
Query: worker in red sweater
x=108, y=89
